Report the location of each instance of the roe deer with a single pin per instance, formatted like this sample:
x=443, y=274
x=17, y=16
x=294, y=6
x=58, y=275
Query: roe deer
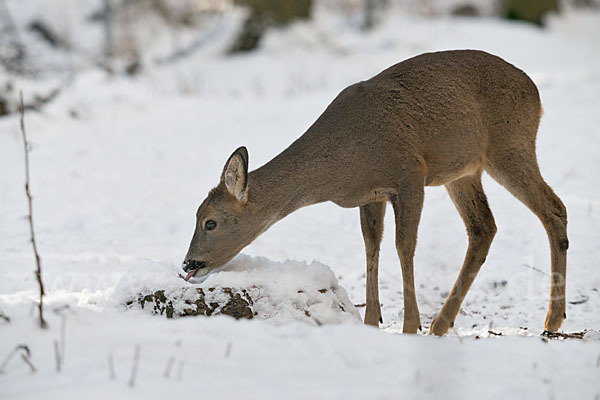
x=435, y=119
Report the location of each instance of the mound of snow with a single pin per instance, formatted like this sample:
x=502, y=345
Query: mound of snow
x=274, y=291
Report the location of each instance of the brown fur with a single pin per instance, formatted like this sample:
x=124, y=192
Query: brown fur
x=435, y=119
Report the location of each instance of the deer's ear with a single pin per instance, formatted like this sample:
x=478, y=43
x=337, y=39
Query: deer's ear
x=235, y=174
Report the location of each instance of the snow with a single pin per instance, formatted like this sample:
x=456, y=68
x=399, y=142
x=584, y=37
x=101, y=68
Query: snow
x=119, y=166
x=294, y=360
x=280, y=292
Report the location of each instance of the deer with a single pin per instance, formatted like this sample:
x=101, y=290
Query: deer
x=440, y=118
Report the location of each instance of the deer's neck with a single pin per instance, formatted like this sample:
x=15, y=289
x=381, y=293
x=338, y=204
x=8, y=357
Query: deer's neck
x=284, y=185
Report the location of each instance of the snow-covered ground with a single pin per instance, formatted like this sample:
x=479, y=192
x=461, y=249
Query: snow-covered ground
x=119, y=166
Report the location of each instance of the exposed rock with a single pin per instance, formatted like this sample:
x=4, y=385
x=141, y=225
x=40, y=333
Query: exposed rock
x=233, y=304
x=248, y=287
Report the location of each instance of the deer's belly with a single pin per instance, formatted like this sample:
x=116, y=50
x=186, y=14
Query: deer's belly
x=441, y=173
x=360, y=198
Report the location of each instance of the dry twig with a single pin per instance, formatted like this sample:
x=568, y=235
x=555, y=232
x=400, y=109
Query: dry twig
x=4, y=316
x=170, y=363
x=134, y=367
x=25, y=358
x=25, y=355
x=581, y=300
x=228, y=349
x=539, y=271
x=63, y=339
x=59, y=347
x=57, y=355
x=38, y=271
x=561, y=335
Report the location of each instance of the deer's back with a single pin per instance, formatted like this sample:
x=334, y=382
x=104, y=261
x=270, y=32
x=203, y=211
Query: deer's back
x=438, y=112
x=447, y=107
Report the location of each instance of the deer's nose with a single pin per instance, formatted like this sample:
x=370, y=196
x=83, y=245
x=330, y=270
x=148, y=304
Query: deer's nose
x=193, y=265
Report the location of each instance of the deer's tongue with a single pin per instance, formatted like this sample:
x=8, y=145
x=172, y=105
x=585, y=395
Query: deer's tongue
x=190, y=274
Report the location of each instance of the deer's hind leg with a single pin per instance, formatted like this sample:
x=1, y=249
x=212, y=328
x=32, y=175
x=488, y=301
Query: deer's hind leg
x=470, y=201
x=371, y=223
x=408, y=204
x=517, y=170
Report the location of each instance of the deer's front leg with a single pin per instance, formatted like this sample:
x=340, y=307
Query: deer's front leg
x=371, y=223
x=407, y=208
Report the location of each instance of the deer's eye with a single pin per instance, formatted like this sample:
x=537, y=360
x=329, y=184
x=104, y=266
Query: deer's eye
x=210, y=225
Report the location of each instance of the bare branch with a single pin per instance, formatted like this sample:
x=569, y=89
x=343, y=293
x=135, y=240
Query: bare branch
x=539, y=271
x=134, y=367
x=170, y=363
x=38, y=271
x=63, y=333
x=57, y=355
x=564, y=335
x=228, y=349
x=28, y=362
x=4, y=316
x=8, y=358
x=26, y=353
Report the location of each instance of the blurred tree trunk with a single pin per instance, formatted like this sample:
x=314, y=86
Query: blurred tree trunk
x=529, y=10
x=265, y=14
x=372, y=8
x=108, y=34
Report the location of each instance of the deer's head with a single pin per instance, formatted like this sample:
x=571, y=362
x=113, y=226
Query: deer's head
x=224, y=225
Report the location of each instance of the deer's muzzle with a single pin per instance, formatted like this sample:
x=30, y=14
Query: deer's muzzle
x=191, y=267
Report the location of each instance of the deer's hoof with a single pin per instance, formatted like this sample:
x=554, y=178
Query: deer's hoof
x=553, y=322
x=411, y=326
x=440, y=326
x=372, y=319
